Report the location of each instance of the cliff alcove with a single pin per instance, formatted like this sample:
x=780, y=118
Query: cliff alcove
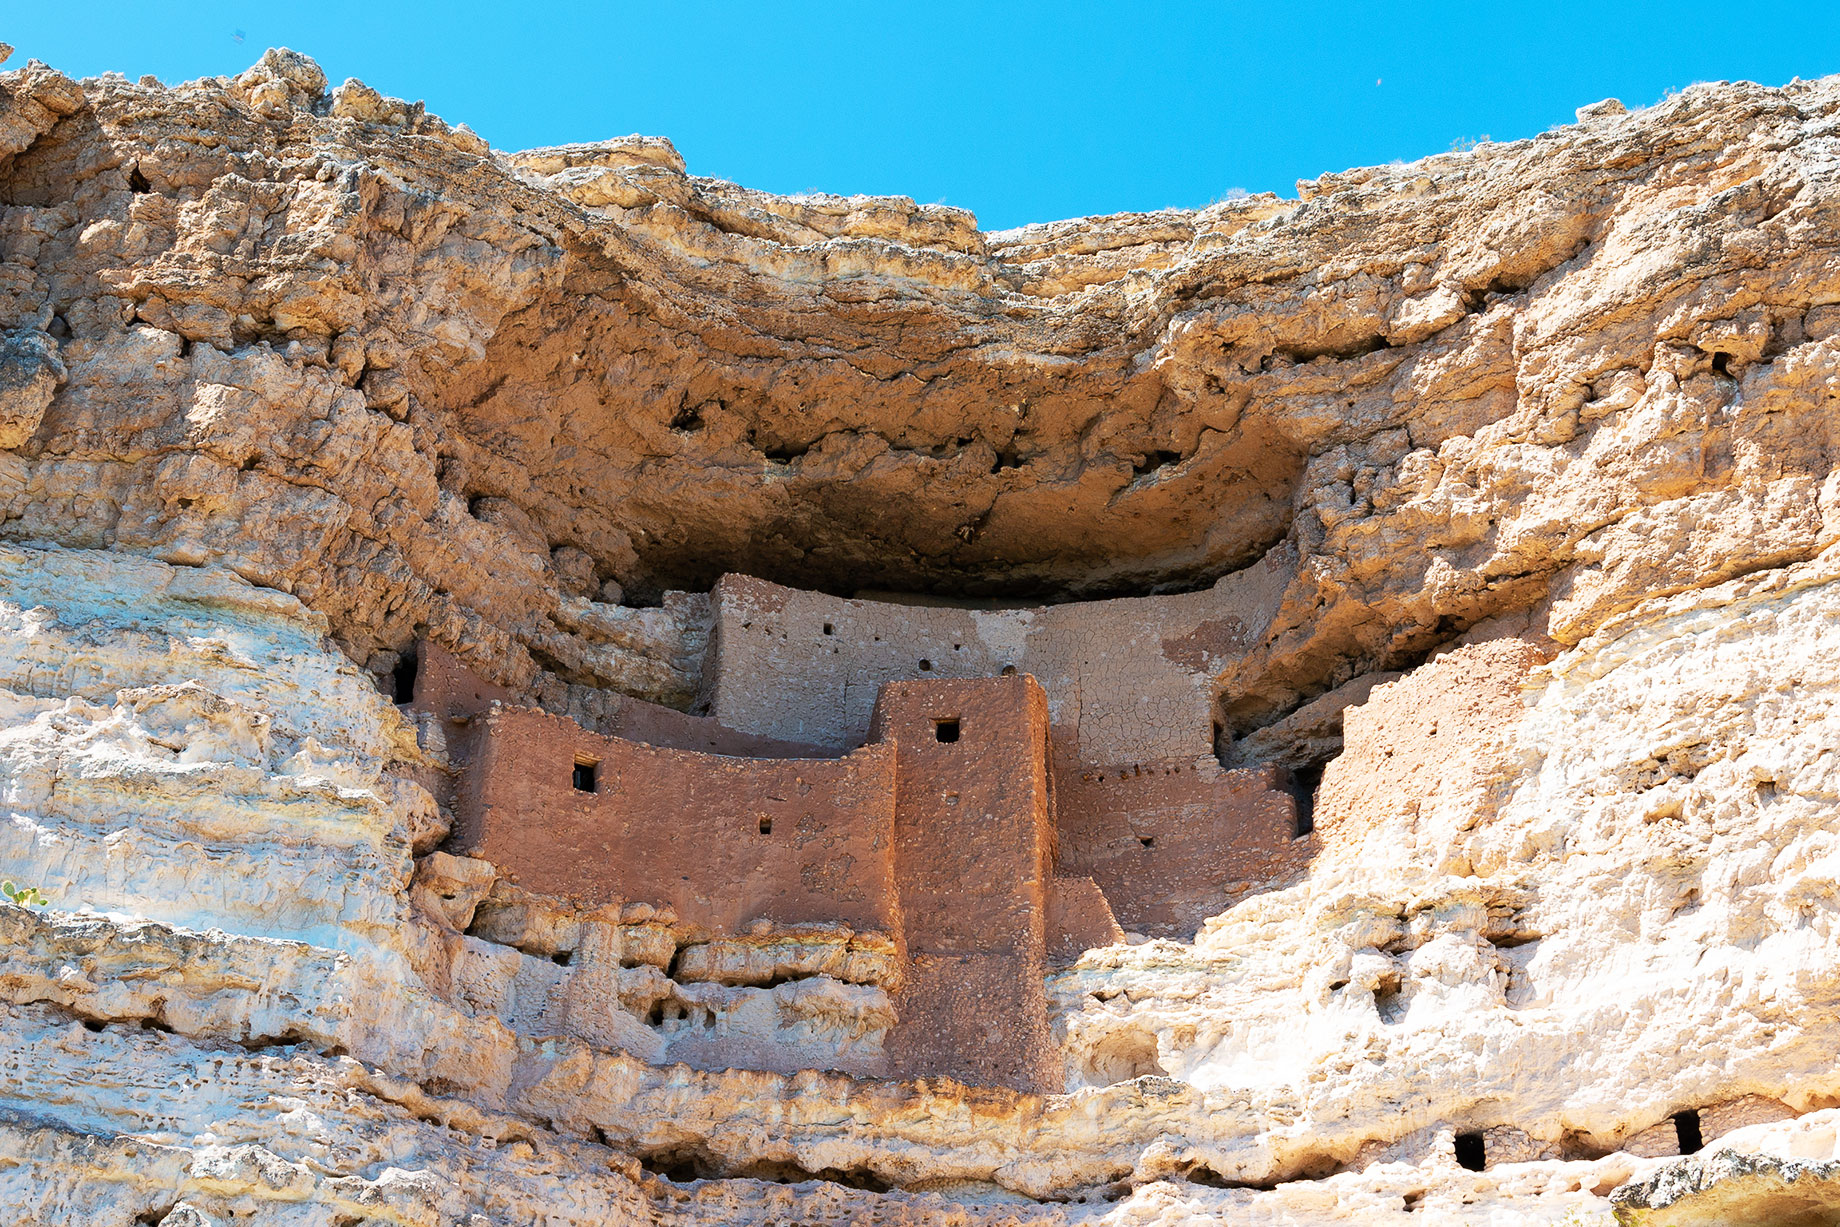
x=539, y=686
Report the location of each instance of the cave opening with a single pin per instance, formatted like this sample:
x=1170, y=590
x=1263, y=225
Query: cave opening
x=1471, y=1153
x=1687, y=1131
x=402, y=679
x=1303, y=784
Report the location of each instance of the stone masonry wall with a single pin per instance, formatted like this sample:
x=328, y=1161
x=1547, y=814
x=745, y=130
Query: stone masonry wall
x=1174, y=843
x=974, y=855
x=725, y=841
x=1127, y=681
x=1141, y=804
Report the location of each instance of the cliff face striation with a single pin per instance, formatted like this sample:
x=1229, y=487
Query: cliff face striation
x=1428, y=783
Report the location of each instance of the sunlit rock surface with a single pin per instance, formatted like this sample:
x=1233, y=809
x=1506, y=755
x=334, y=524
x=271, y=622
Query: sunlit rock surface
x=1537, y=440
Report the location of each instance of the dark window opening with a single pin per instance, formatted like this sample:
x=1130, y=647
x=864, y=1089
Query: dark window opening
x=945, y=730
x=926, y=666
x=766, y=826
x=829, y=629
x=1686, y=1129
x=1148, y=841
x=584, y=779
x=402, y=680
x=1304, y=783
x=1470, y=1153
x=561, y=957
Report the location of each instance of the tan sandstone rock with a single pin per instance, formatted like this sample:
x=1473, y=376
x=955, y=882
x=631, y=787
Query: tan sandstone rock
x=1518, y=462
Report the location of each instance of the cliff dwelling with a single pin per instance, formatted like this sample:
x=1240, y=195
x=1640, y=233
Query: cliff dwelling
x=899, y=775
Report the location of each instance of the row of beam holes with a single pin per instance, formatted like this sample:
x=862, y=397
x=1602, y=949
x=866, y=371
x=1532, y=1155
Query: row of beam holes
x=1472, y=1154
x=926, y=665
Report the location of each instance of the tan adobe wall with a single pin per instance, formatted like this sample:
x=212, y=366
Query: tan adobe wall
x=1174, y=843
x=1128, y=680
x=725, y=841
x=1420, y=753
x=974, y=854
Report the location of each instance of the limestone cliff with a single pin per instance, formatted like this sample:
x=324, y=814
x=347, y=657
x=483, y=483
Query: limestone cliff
x=1523, y=458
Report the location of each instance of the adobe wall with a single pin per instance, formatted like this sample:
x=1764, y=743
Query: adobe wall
x=1128, y=680
x=1174, y=843
x=1131, y=705
x=724, y=841
x=1079, y=918
x=1420, y=754
x=974, y=854
x=446, y=687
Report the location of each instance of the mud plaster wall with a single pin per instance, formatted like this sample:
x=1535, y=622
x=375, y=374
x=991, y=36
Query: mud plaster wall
x=1127, y=681
x=725, y=841
x=1433, y=740
x=974, y=854
x=450, y=690
x=1174, y=843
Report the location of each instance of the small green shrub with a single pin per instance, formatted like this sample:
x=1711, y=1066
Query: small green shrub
x=24, y=896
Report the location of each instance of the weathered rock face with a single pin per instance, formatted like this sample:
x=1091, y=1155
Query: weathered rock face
x=1532, y=448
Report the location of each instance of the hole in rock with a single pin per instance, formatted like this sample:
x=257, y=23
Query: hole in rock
x=1304, y=783
x=829, y=629
x=1470, y=1152
x=584, y=778
x=137, y=182
x=687, y=420
x=1009, y=671
x=1721, y=362
x=402, y=679
x=784, y=453
x=1153, y=461
x=945, y=730
x=1686, y=1129
x=766, y=826
x=926, y=666
x=1148, y=841
x=94, y=1024
x=1120, y=1057
x=788, y=1173
x=562, y=958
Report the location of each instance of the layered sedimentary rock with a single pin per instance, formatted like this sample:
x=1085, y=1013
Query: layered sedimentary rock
x=1504, y=480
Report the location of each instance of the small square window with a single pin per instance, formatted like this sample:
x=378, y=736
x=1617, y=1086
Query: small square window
x=946, y=730
x=585, y=779
x=766, y=825
x=829, y=629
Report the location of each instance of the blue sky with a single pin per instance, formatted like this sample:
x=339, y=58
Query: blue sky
x=1020, y=112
